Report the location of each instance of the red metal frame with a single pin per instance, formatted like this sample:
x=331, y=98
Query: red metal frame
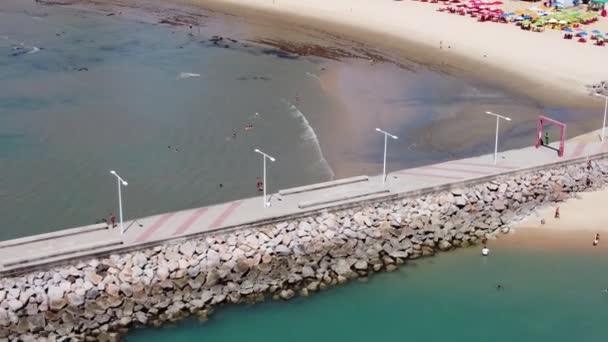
x=539, y=132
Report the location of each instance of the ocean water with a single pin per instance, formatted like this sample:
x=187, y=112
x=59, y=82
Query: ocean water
x=548, y=296
x=83, y=93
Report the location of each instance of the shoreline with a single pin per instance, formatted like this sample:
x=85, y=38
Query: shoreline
x=417, y=39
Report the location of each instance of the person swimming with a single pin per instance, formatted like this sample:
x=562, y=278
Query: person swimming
x=485, y=251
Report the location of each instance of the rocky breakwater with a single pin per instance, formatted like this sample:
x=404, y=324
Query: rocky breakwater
x=100, y=298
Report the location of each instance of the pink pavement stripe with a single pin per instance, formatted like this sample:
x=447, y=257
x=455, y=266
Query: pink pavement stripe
x=224, y=215
x=190, y=221
x=154, y=227
x=484, y=165
x=424, y=174
x=578, y=150
x=487, y=172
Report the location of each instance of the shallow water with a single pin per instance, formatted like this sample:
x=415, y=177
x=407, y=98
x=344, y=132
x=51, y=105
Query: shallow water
x=82, y=93
x=547, y=296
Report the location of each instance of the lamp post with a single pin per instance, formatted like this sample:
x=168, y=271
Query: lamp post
x=498, y=117
x=120, y=182
x=605, y=108
x=264, y=157
x=386, y=135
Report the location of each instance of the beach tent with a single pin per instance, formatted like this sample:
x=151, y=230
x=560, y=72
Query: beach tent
x=564, y=3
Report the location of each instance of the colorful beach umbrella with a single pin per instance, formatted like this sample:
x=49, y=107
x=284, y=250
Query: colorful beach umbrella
x=582, y=33
x=567, y=29
x=596, y=31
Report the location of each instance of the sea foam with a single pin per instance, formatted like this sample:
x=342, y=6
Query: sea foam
x=308, y=135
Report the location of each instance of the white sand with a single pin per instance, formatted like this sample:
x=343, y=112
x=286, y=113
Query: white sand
x=545, y=59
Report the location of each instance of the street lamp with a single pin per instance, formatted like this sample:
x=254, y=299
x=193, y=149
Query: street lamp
x=120, y=182
x=386, y=135
x=605, y=107
x=498, y=117
x=264, y=157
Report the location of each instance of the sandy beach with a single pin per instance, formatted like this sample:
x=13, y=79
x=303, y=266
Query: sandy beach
x=580, y=219
x=539, y=63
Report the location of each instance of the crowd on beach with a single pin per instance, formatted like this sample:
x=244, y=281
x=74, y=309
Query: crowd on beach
x=550, y=15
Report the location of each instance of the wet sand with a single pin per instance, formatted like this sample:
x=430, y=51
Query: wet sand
x=498, y=53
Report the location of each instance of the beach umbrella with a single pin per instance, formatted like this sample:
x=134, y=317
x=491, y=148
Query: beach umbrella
x=567, y=29
x=562, y=22
x=582, y=33
x=599, y=36
x=552, y=21
x=596, y=31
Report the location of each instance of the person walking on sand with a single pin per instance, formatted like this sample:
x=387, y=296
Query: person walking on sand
x=112, y=220
x=596, y=241
x=556, y=215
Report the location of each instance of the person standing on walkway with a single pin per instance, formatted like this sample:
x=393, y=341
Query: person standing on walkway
x=112, y=220
x=260, y=184
x=547, y=138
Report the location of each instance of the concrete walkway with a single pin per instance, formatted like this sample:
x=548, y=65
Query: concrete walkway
x=28, y=253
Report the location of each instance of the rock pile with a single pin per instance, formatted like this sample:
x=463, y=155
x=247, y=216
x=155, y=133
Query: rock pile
x=99, y=299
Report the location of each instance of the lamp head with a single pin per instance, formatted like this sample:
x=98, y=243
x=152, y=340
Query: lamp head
x=125, y=183
x=113, y=172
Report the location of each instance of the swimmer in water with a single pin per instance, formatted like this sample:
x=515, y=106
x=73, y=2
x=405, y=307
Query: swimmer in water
x=485, y=251
x=499, y=287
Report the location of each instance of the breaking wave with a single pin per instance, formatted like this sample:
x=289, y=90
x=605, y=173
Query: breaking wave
x=310, y=136
x=187, y=75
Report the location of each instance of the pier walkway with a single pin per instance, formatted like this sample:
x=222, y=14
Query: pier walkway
x=32, y=252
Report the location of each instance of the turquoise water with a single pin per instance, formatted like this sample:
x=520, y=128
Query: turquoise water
x=452, y=297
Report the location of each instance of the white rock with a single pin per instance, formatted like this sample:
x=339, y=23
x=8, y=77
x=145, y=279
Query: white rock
x=14, y=304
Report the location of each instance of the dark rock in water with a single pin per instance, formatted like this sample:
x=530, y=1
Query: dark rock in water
x=110, y=14
x=83, y=69
x=226, y=46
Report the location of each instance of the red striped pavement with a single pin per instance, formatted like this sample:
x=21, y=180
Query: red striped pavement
x=190, y=221
x=478, y=172
x=426, y=174
x=578, y=149
x=224, y=215
x=154, y=227
x=485, y=165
